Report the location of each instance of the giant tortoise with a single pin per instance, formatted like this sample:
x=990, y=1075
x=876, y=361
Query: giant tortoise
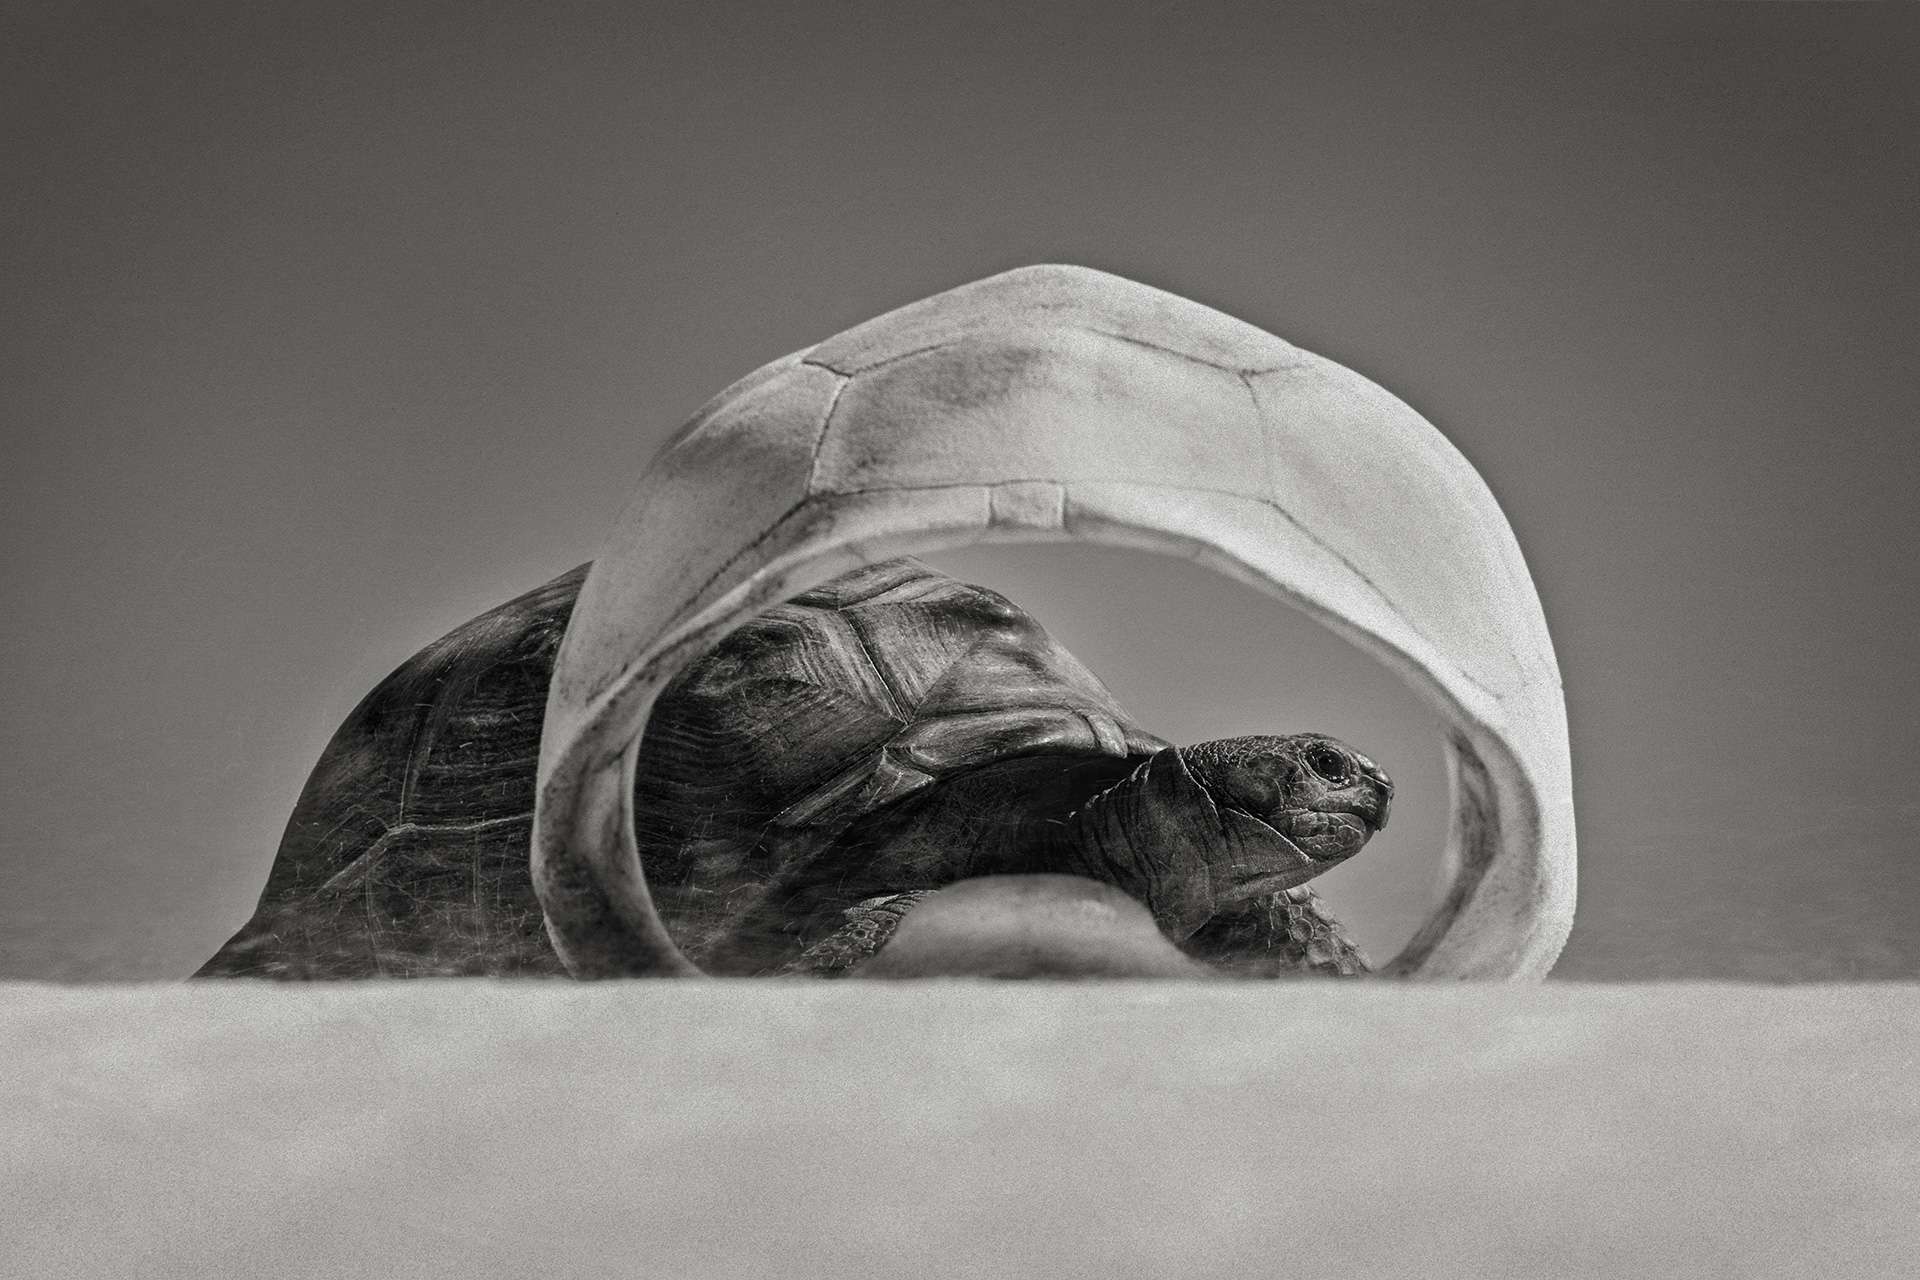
x=800, y=789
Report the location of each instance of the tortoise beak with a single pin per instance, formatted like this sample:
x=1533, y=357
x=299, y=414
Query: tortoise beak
x=1369, y=803
x=1379, y=817
x=1377, y=801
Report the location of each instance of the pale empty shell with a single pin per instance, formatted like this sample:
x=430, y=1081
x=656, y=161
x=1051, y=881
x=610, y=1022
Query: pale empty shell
x=1059, y=403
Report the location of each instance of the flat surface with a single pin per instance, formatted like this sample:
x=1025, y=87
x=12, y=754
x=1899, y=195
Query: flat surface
x=1159, y=1129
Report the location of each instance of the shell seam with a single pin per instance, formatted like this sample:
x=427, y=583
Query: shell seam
x=962, y=334
x=1266, y=441
x=826, y=423
x=806, y=495
x=342, y=877
x=894, y=696
x=1238, y=370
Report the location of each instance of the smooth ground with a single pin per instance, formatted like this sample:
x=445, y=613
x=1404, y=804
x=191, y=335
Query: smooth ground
x=1036, y=1129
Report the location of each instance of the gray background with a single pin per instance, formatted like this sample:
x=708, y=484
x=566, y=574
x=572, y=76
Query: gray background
x=329, y=327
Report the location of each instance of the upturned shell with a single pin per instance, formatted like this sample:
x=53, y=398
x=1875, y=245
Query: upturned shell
x=1055, y=403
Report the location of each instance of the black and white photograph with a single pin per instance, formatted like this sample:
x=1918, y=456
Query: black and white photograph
x=981, y=640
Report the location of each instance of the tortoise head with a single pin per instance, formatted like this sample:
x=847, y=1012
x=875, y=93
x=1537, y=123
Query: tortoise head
x=1300, y=803
x=1218, y=828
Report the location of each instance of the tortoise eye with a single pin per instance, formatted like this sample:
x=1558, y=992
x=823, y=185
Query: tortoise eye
x=1329, y=764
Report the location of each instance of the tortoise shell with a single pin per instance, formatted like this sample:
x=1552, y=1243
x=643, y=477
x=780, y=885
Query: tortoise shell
x=406, y=853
